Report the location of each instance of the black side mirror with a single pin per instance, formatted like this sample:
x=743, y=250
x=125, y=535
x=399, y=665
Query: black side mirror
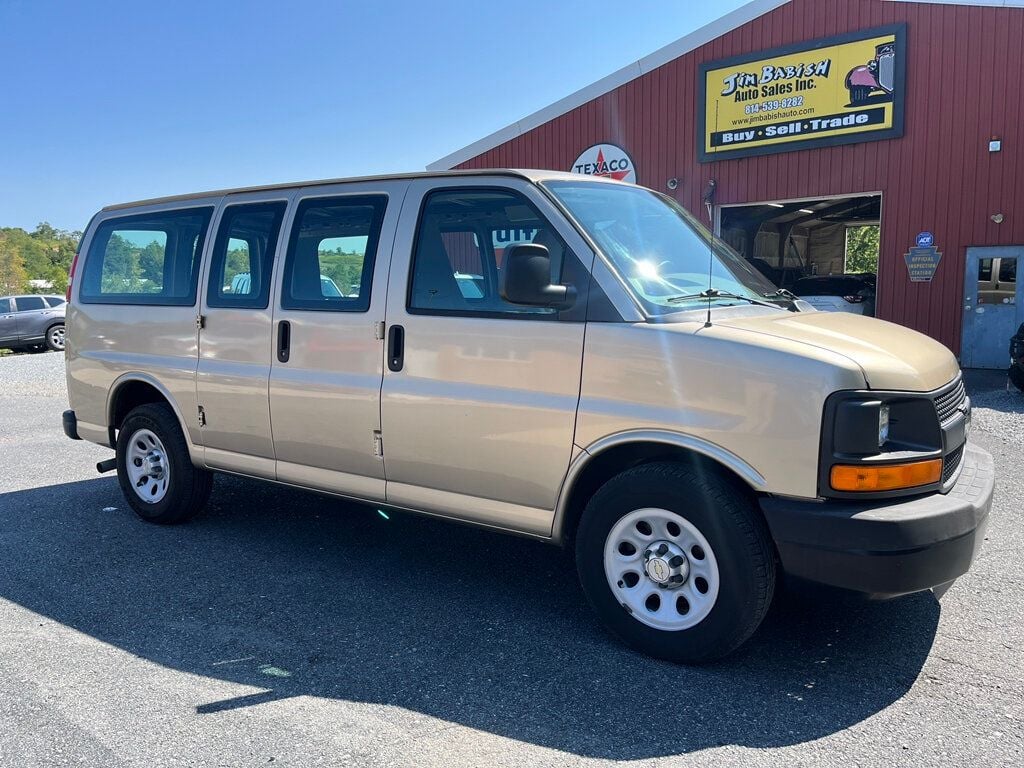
x=526, y=278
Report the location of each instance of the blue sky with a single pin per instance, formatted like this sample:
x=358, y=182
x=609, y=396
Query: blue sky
x=110, y=101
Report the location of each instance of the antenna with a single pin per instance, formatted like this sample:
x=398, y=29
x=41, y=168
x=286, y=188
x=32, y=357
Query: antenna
x=711, y=264
x=709, y=198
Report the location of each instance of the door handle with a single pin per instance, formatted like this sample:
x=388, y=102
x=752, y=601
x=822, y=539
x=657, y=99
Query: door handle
x=396, y=348
x=284, y=341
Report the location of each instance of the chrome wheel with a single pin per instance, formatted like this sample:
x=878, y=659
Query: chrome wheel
x=661, y=569
x=56, y=337
x=148, y=468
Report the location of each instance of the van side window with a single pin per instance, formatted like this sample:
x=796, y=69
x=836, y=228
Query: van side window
x=5, y=306
x=243, y=255
x=460, y=247
x=331, y=254
x=150, y=258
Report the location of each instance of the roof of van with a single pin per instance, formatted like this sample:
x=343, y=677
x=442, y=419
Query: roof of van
x=528, y=174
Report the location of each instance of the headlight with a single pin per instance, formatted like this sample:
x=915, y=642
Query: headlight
x=879, y=442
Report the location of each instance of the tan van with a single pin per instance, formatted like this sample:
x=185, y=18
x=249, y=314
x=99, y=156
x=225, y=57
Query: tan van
x=561, y=357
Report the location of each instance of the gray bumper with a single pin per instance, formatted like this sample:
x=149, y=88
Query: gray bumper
x=887, y=548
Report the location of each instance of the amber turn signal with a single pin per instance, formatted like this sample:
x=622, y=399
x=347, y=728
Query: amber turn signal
x=891, y=477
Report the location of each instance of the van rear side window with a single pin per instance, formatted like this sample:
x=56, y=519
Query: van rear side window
x=331, y=253
x=146, y=259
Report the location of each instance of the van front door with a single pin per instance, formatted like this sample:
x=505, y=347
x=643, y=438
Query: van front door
x=235, y=344
x=329, y=349
x=479, y=400
x=993, y=306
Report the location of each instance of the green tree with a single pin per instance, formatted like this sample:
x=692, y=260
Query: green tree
x=151, y=263
x=13, y=277
x=122, y=270
x=862, y=248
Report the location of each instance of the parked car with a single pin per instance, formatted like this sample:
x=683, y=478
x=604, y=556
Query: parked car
x=1016, y=371
x=839, y=293
x=690, y=444
x=32, y=323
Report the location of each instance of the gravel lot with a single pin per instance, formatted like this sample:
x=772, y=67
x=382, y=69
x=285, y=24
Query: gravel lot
x=284, y=628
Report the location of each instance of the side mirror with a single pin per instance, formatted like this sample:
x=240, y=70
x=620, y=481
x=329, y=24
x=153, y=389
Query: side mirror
x=526, y=278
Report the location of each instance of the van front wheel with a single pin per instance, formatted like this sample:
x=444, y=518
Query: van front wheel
x=676, y=561
x=154, y=469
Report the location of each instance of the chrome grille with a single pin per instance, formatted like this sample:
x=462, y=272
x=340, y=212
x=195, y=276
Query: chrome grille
x=951, y=463
x=947, y=403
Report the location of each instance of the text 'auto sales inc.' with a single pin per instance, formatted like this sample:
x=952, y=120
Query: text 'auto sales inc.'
x=833, y=143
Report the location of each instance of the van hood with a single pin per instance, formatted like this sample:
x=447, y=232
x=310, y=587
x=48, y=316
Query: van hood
x=892, y=357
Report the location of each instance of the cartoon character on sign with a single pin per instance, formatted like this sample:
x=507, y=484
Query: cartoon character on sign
x=879, y=74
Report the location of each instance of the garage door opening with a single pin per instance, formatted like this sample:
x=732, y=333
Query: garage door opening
x=824, y=250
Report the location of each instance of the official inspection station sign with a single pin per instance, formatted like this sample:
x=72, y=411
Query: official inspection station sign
x=837, y=90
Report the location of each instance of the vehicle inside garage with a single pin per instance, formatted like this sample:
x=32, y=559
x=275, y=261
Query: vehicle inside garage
x=825, y=251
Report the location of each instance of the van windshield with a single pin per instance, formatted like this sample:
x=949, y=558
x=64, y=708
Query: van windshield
x=659, y=249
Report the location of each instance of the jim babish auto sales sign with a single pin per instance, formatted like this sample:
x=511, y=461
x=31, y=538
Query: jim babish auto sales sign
x=837, y=90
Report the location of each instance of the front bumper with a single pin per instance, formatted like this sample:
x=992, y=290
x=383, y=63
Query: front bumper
x=887, y=548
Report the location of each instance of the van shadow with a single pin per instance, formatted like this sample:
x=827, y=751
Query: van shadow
x=464, y=625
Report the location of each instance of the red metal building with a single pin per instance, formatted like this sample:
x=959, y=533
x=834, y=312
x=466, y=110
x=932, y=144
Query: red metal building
x=949, y=182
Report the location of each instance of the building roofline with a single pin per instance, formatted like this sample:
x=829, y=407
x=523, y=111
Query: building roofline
x=682, y=46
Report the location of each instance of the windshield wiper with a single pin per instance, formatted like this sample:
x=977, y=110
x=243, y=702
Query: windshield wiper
x=781, y=293
x=713, y=293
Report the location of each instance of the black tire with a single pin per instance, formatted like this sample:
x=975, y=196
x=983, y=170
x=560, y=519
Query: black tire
x=1016, y=374
x=188, y=486
x=52, y=342
x=725, y=515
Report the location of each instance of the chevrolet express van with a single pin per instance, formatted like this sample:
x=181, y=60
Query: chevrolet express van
x=562, y=357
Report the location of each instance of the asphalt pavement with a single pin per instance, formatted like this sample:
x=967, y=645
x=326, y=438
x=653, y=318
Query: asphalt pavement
x=285, y=628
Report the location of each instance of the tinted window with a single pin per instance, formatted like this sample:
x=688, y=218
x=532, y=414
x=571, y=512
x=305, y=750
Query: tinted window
x=460, y=246
x=146, y=259
x=984, y=270
x=1007, y=270
x=331, y=254
x=5, y=305
x=55, y=301
x=243, y=256
x=29, y=303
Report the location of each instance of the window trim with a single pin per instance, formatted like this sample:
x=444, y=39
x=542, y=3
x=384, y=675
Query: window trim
x=214, y=298
x=550, y=317
x=141, y=299
x=361, y=305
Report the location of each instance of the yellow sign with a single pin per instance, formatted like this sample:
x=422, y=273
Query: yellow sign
x=836, y=91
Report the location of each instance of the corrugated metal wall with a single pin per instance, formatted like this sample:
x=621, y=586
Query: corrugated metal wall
x=964, y=85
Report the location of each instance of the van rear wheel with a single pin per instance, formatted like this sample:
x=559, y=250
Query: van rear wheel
x=676, y=561
x=154, y=469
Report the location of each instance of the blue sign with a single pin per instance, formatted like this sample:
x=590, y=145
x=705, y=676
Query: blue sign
x=925, y=240
x=922, y=263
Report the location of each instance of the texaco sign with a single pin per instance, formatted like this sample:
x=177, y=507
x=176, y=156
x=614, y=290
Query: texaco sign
x=606, y=160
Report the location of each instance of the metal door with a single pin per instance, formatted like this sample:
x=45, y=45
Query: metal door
x=992, y=305
x=329, y=362
x=235, y=341
x=478, y=405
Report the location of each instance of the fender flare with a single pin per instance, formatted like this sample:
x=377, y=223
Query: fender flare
x=146, y=378
x=697, y=445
